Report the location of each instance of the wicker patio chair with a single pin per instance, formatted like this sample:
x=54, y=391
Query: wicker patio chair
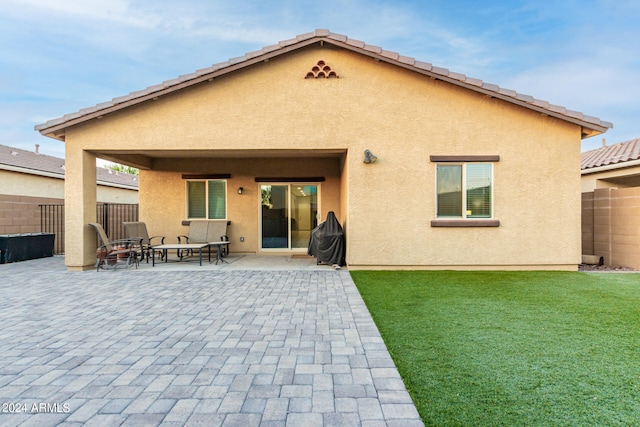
x=114, y=253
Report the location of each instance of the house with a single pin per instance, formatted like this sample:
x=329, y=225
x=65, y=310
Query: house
x=611, y=166
x=611, y=203
x=30, y=179
x=468, y=175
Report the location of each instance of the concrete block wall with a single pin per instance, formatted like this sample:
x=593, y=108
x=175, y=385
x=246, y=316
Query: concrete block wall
x=21, y=214
x=602, y=224
x=625, y=227
x=587, y=224
x=616, y=225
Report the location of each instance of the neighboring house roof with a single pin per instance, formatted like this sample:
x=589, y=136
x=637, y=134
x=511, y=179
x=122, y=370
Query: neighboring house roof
x=617, y=154
x=56, y=128
x=15, y=159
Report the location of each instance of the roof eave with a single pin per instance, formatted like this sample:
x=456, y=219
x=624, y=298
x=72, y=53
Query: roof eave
x=31, y=171
x=116, y=185
x=610, y=167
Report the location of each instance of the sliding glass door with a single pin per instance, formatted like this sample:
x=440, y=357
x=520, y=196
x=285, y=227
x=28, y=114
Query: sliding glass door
x=288, y=213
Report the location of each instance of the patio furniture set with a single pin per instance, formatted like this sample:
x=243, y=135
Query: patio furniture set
x=203, y=234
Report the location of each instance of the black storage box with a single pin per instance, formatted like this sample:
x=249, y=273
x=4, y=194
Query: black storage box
x=21, y=247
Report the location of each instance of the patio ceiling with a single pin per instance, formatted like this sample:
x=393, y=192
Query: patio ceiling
x=144, y=159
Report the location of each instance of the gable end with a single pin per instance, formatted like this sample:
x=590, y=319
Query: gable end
x=56, y=128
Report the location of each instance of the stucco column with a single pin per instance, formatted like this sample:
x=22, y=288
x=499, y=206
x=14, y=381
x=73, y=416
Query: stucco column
x=80, y=208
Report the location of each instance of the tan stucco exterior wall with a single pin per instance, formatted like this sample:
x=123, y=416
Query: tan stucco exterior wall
x=387, y=206
x=107, y=194
x=27, y=185
x=22, y=184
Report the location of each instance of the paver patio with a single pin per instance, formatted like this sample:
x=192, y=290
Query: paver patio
x=194, y=347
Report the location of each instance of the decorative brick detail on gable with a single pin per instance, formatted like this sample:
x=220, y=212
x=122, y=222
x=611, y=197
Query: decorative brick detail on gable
x=321, y=71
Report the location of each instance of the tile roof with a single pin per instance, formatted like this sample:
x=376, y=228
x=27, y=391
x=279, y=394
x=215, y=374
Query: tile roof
x=55, y=127
x=612, y=154
x=39, y=163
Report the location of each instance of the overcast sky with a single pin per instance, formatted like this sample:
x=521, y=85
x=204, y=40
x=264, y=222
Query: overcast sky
x=59, y=56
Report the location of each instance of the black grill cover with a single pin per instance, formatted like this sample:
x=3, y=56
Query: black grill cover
x=327, y=241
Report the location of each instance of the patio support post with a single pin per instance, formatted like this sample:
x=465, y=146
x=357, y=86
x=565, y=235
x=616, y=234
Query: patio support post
x=80, y=208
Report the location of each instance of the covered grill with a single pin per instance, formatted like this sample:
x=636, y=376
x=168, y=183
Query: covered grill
x=327, y=242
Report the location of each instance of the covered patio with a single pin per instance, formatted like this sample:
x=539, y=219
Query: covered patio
x=272, y=199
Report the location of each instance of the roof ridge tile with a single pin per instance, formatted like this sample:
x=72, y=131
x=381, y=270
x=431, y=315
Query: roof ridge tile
x=557, y=108
x=338, y=37
x=472, y=81
x=188, y=76
x=390, y=54
x=139, y=93
x=457, y=76
x=509, y=92
x=305, y=36
x=237, y=59
x=407, y=60
x=288, y=42
x=424, y=65
x=490, y=86
x=576, y=114
x=540, y=103
x=154, y=88
x=253, y=54
x=270, y=48
x=89, y=109
x=440, y=70
x=525, y=98
x=356, y=43
x=372, y=48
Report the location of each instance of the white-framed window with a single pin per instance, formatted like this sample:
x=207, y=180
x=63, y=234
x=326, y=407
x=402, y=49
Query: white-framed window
x=207, y=199
x=464, y=190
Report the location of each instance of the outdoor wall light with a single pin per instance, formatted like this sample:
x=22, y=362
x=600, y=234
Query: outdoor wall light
x=240, y=190
x=369, y=157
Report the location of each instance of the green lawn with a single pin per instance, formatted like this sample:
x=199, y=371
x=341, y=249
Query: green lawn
x=512, y=348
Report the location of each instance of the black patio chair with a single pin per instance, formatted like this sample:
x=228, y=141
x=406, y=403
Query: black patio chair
x=138, y=230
